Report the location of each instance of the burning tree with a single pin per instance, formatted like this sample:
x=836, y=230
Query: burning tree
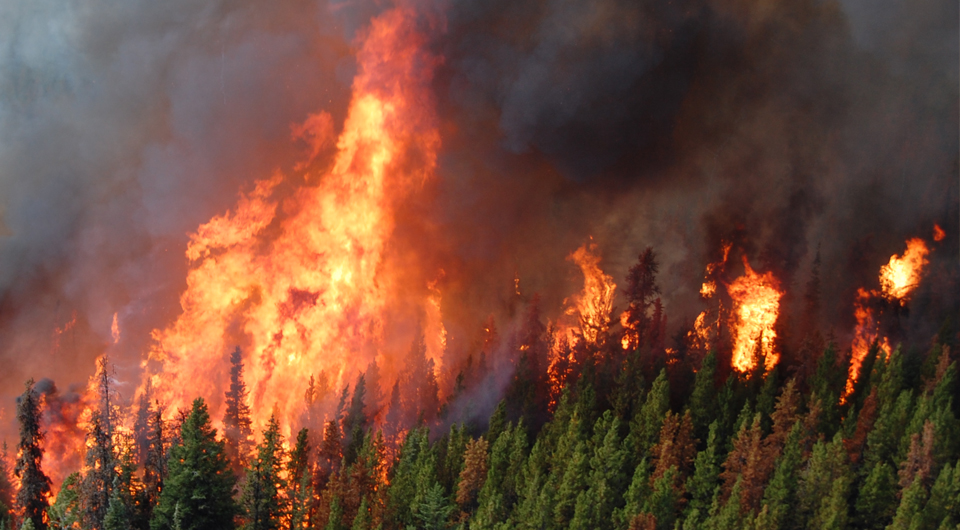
x=34, y=489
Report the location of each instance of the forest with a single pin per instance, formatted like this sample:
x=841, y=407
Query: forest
x=624, y=429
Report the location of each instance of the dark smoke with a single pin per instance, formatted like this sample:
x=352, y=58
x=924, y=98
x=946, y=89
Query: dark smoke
x=780, y=126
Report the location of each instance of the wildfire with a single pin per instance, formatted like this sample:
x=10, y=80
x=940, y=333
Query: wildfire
x=898, y=278
x=938, y=233
x=756, y=299
x=901, y=275
x=115, y=330
x=302, y=284
x=596, y=300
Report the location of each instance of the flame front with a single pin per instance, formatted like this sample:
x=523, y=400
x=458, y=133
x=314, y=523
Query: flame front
x=756, y=299
x=301, y=282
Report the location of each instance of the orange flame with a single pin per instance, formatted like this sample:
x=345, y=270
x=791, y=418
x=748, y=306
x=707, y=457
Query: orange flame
x=756, y=299
x=901, y=275
x=898, y=278
x=596, y=300
x=301, y=283
x=938, y=233
x=115, y=330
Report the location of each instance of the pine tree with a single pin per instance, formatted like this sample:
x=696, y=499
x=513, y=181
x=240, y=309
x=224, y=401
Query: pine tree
x=355, y=422
x=299, y=488
x=34, y=485
x=595, y=506
x=97, y=483
x=743, y=465
x=474, y=473
x=641, y=288
x=703, y=399
x=645, y=425
x=155, y=465
x=263, y=500
x=876, y=501
x=704, y=483
x=65, y=512
x=237, y=431
x=779, y=498
x=329, y=456
x=824, y=485
x=199, y=485
x=634, y=498
x=7, y=494
x=433, y=511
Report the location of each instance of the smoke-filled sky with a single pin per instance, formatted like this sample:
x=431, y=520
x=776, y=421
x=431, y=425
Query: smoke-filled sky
x=784, y=126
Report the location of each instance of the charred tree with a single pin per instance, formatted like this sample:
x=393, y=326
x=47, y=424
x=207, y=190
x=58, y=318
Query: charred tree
x=101, y=460
x=32, y=501
x=237, y=431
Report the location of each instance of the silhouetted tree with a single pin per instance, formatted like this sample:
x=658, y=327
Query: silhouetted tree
x=237, y=431
x=34, y=485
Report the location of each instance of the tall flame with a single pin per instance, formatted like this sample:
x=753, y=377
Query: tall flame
x=596, y=300
x=756, y=299
x=898, y=278
x=301, y=283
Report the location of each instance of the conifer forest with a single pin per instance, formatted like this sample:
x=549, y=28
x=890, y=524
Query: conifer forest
x=480, y=265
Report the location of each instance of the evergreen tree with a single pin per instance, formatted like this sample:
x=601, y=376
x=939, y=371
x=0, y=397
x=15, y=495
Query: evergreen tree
x=356, y=422
x=703, y=399
x=595, y=505
x=198, y=489
x=433, y=511
x=474, y=473
x=97, y=484
x=876, y=501
x=34, y=485
x=299, y=488
x=7, y=494
x=704, y=483
x=65, y=511
x=640, y=291
x=645, y=425
x=237, y=430
x=263, y=500
x=155, y=466
x=635, y=497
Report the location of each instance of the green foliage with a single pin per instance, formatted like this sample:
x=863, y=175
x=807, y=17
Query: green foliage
x=645, y=425
x=877, y=500
x=198, y=491
x=262, y=501
x=65, y=512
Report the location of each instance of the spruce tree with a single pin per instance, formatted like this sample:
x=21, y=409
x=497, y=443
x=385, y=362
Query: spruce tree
x=646, y=423
x=7, y=494
x=198, y=490
x=263, y=500
x=34, y=485
x=65, y=511
x=299, y=488
x=474, y=473
x=237, y=431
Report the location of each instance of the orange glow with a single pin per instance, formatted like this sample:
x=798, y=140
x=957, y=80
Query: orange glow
x=901, y=275
x=115, y=329
x=301, y=283
x=596, y=300
x=938, y=233
x=898, y=278
x=756, y=299
x=866, y=334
